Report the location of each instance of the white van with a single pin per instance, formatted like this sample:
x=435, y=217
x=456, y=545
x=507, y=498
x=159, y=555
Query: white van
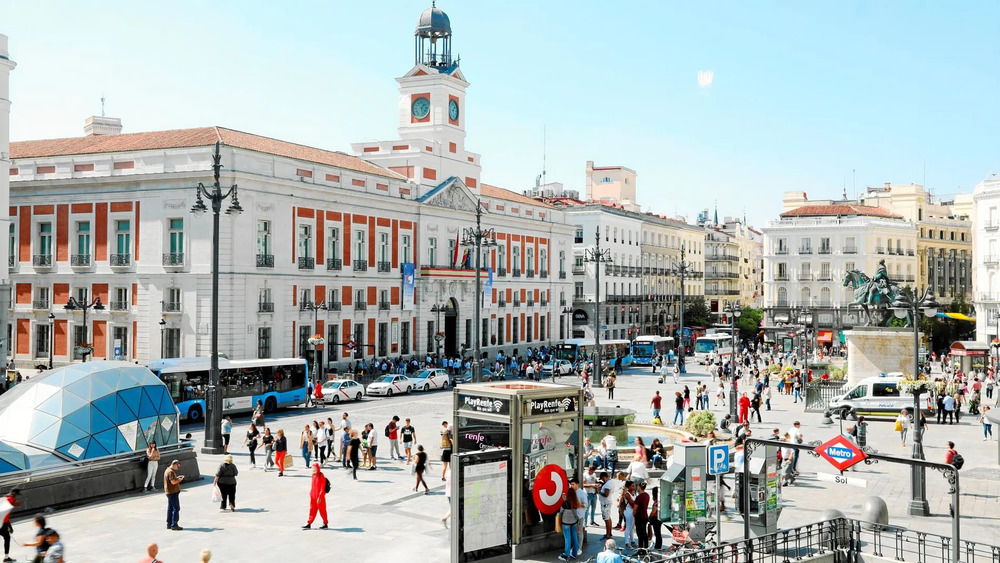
x=876, y=397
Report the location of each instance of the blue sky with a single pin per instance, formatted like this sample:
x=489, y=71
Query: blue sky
x=802, y=92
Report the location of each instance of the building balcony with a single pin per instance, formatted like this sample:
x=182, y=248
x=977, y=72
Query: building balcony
x=825, y=251
x=805, y=251
x=617, y=270
x=990, y=228
x=171, y=306
x=543, y=274
x=384, y=266
x=307, y=263
x=383, y=305
x=360, y=265
x=501, y=302
x=305, y=306
x=879, y=250
x=529, y=274
x=990, y=261
x=579, y=270
x=805, y=277
x=502, y=272
x=516, y=273
x=910, y=252
x=824, y=277
x=781, y=277
x=118, y=306
x=334, y=264
x=781, y=251
x=80, y=260
x=722, y=257
x=121, y=260
x=543, y=302
x=721, y=276
x=562, y=302
x=333, y=306
x=11, y=262
x=40, y=304
x=562, y=275
x=173, y=259
x=849, y=250
x=531, y=302
x=42, y=260
x=265, y=260
x=361, y=306
x=265, y=307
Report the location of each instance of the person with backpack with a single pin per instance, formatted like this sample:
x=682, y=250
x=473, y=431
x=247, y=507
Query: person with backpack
x=392, y=434
x=952, y=457
x=317, y=497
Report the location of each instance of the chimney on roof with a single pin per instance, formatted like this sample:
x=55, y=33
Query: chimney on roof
x=101, y=125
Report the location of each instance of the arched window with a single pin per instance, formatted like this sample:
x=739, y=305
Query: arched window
x=782, y=297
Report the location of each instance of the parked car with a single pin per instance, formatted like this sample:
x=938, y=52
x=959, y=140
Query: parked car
x=390, y=385
x=339, y=390
x=488, y=375
x=428, y=379
x=561, y=367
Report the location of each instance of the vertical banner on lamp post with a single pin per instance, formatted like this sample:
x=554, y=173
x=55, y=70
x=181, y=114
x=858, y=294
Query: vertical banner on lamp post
x=408, y=276
x=488, y=289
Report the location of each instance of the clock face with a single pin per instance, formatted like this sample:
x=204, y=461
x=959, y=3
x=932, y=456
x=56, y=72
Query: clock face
x=421, y=107
x=453, y=110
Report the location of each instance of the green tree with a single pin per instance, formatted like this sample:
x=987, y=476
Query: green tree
x=748, y=322
x=697, y=314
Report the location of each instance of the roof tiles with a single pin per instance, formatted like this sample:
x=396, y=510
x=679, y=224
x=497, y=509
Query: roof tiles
x=840, y=209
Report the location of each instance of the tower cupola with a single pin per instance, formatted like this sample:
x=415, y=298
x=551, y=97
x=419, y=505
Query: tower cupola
x=432, y=39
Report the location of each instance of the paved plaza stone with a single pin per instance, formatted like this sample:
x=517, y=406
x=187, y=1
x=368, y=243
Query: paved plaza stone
x=379, y=517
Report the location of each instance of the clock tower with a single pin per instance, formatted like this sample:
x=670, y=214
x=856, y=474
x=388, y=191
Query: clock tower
x=431, y=110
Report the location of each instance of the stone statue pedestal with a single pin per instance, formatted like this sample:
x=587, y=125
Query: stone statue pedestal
x=872, y=351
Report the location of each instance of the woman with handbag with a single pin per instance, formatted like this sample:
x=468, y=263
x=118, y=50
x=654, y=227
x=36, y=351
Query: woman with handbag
x=251, y=443
x=280, y=451
x=419, y=466
x=225, y=480
x=152, y=462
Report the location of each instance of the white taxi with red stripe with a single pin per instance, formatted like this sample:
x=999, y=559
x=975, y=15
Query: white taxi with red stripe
x=340, y=390
x=429, y=379
x=390, y=385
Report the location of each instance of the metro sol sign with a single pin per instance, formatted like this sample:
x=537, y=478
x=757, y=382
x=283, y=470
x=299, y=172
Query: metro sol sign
x=840, y=452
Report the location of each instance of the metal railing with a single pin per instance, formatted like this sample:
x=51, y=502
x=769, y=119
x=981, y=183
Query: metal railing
x=265, y=260
x=805, y=251
x=361, y=306
x=121, y=260
x=849, y=250
x=42, y=260
x=517, y=273
x=173, y=258
x=501, y=271
x=781, y=251
x=530, y=273
x=40, y=304
x=360, y=265
x=562, y=275
x=307, y=262
x=118, y=306
x=819, y=392
x=384, y=266
x=577, y=270
x=171, y=306
x=334, y=264
x=79, y=260
x=265, y=307
x=383, y=305
x=334, y=306
x=825, y=250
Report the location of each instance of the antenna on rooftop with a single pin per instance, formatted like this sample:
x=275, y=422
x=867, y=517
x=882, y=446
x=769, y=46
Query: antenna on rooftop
x=544, y=150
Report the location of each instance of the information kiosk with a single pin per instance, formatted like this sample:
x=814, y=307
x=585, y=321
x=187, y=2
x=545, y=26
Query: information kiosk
x=542, y=424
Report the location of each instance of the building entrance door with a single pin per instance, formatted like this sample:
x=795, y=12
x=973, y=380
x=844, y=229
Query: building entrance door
x=451, y=328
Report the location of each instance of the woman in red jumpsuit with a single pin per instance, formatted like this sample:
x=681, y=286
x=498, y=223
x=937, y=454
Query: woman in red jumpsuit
x=317, y=498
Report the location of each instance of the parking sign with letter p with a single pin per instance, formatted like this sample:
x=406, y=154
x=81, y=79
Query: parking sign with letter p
x=718, y=460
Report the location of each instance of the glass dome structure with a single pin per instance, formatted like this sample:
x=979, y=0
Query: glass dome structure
x=84, y=411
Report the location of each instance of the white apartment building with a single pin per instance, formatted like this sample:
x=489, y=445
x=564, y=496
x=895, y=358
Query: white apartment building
x=107, y=216
x=809, y=250
x=6, y=66
x=662, y=241
x=986, y=258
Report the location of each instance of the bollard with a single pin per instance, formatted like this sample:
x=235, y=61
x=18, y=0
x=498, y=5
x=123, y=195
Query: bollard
x=874, y=513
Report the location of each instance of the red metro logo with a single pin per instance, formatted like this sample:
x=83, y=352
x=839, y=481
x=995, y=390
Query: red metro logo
x=548, y=489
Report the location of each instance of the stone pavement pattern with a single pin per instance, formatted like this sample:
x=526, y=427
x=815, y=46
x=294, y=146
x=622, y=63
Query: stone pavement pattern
x=380, y=517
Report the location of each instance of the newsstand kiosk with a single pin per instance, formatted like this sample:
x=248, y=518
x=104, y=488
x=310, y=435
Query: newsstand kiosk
x=542, y=424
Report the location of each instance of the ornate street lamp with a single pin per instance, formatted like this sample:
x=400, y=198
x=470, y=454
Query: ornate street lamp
x=52, y=335
x=908, y=305
x=597, y=256
x=478, y=237
x=318, y=339
x=438, y=336
x=682, y=269
x=213, y=396
x=74, y=305
x=733, y=311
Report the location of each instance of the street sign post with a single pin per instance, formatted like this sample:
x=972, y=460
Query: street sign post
x=840, y=452
x=718, y=463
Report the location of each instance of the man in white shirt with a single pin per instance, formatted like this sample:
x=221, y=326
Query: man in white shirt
x=797, y=438
x=321, y=438
x=581, y=511
x=591, y=486
x=606, y=496
x=609, y=450
x=637, y=472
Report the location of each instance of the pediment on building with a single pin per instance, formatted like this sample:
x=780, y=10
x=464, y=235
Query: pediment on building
x=451, y=194
x=424, y=70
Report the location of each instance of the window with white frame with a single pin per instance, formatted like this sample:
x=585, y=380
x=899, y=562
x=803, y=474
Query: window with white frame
x=432, y=244
x=305, y=241
x=45, y=239
x=333, y=242
x=263, y=237
x=123, y=237
x=404, y=248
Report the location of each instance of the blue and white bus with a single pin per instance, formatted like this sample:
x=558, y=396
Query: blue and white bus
x=716, y=347
x=275, y=382
x=646, y=347
x=581, y=349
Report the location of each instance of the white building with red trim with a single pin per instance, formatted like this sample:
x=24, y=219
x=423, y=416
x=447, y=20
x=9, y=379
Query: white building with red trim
x=107, y=215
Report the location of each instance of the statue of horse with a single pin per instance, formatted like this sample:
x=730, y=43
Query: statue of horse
x=871, y=299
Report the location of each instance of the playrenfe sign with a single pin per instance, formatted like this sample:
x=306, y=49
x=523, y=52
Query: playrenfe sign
x=551, y=406
x=488, y=405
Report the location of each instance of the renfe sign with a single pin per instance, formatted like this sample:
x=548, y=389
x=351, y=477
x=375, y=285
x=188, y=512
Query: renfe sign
x=840, y=452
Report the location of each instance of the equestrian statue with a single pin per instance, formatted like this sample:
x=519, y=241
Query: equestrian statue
x=874, y=295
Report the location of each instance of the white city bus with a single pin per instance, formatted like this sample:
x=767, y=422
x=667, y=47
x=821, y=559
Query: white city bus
x=716, y=346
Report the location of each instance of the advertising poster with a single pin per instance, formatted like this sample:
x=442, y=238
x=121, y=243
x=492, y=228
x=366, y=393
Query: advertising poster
x=488, y=290
x=408, y=280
